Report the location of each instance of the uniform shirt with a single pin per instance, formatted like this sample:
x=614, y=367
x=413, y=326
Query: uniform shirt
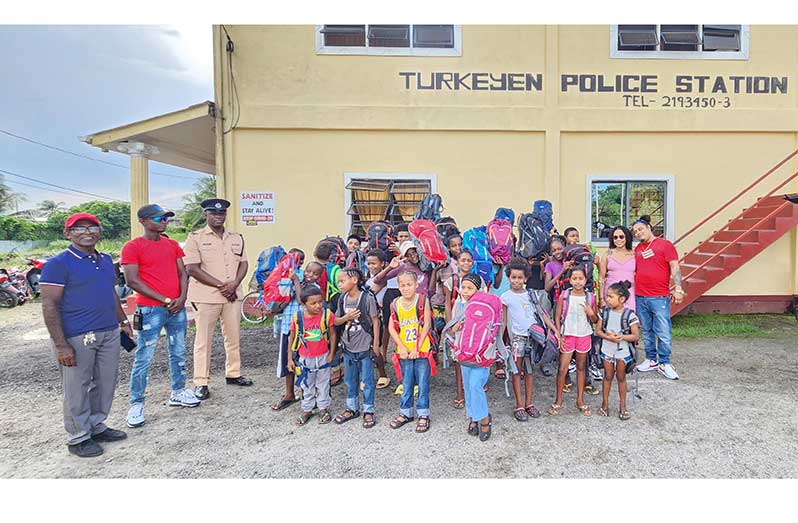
x=652, y=268
x=89, y=299
x=157, y=261
x=219, y=257
x=316, y=342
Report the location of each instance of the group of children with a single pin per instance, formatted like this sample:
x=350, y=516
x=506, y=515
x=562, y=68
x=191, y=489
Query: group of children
x=351, y=314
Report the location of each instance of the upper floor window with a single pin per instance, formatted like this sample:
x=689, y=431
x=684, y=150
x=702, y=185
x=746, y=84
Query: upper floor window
x=680, y=41
x=403, y=40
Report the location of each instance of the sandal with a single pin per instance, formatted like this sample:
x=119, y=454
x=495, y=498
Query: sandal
x=520, y=414
x=603, y=412
x=624, y=415
x=304, y=417
x=400, y=420
x=532, y=411
x=324, y=417
x=422, y=425
x=500, y=374
x=591, y=390
x=283, y=403
x=383, y=382
x=369, y=421
x=473, y=428
x=484, y=435
x=554, y=409
x=346, y=415
x=458, y=404
x=585, y=410
x=567, y=387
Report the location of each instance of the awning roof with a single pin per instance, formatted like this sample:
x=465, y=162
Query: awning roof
x=185, y=138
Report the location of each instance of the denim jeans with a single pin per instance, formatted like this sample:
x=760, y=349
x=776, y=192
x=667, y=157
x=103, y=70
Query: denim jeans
x=476, y=401
x=655, y=322
x=359, y=367
x=415, y=372
x=153, y=319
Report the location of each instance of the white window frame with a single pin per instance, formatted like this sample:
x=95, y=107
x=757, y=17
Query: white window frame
x=348, y=177
x=742, y=54
x=457, y=50
x=670, y=200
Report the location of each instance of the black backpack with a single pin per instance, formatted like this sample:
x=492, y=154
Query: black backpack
x=341, y=251
x=430, y=208
x=582, y=257
x=364, y=321
x=626, y=329
x=446, y=227
x=534, y=238
x=380, y=235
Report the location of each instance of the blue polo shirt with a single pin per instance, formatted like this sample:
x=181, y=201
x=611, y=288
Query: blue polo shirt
x=89, y=299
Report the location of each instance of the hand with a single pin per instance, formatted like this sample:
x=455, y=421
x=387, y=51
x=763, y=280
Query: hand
x=330, y=357
x=560, y=343
x=292, y=275
x=568, y=265
x=441, y=265
x=227, y=288
x=403, y=353
x=351, y=315
x=544, y=258
x=677, y=295
x=588, y=310
x=395, y=262
x=66, y=355
x=394, y=247
x=176, y=305
x=457, y=326
x=127, y=329
x=414, y=354
x=290, y=364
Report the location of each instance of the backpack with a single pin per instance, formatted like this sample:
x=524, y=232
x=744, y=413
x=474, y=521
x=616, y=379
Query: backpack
x=626, y=328
x=545, y=346
x=364, y=321
x=543, y=210
x=477, y=339
x=357, y=260
x=427, y=242
x=534, y=236
x=432, y=335
x=341, y=251
x=476, y=241
x=500, y=240
x=267, y=260
x=590, y=300
x=379, y=235
x=430, y=208
x=503, y=213
x=299, y=339
x=446, y=227
x=582, y=257
x=277, y=287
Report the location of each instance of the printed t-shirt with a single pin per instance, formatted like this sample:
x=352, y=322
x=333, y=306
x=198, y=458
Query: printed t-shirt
x=316, y=343
x=520, y=312
x=652, y=269
x=409, y=326
x=353, y=336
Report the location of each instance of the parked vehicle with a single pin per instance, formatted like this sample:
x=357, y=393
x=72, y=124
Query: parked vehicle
x=33, y=274
x=122, y=288
x=10, y=295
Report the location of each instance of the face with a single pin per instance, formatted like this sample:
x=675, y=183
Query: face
x=407, y=285
x=517, y=279
x=614, y=300
x=467, y=289
x=412, y=256
x=215, y=218
x=312, y=274
x=455, y=246
x=374, y=264
x=465, y=262
x=619, y=239
x=556, y=250
x=578, y=280
x=353, y=244
x=80, y=235
x=313, y=305
x=402, y=236
x=641, y=232
x=157, y=224
x=301, y=259
x=345, y=282
x=572, y=237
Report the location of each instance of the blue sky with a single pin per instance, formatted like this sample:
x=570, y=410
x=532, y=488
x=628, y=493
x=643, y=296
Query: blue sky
x=61, y=82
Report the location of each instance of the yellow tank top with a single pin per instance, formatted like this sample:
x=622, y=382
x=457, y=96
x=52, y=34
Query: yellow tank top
x=409, y=326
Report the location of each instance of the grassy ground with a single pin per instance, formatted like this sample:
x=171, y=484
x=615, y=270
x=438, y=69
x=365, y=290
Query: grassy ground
x=699, y=326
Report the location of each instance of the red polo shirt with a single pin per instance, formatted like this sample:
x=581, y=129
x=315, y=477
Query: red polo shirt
x=653, y=271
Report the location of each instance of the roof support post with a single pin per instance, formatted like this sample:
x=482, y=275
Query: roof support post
x=139, y=179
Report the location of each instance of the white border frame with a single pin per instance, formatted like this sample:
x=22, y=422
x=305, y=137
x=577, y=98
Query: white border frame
x=457, y=50
x=742, y=54
x=348, y=177
x=670, y=200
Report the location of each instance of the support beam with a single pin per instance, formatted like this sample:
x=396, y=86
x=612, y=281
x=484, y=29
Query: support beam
x=139, y=180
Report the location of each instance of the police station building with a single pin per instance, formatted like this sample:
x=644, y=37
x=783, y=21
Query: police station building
x=318, y=130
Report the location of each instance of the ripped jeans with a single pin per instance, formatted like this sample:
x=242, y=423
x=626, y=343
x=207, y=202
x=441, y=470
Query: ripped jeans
x=153, y=319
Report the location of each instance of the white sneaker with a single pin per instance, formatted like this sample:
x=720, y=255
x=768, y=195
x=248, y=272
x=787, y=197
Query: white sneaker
x=667, y=370
x=135, y=415
x=183, y=398
x=572, y=367
x=647, y=366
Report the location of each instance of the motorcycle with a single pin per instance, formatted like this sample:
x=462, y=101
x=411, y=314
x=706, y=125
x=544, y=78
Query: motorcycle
x=10, y=293
x=33, y=274
x=122, y=289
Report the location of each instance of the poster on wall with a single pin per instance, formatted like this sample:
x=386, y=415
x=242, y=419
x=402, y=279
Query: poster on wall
x=257, y=208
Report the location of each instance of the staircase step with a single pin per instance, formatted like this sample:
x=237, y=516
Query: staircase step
x=744, y=224
x=737, y=236
x=725, y=259
x=765, y=210
x=737, y=248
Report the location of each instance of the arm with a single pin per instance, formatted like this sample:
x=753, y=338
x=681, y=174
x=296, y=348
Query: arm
x=390, y=270
x=395, y=337
x=51, y=304
x=291, y=337
x=635, y=335
x=375, y=328
x=591, y=314
x=121, y=316
x=447, y=294
x=133, y=281
x=548, y=281
x=498, y=279
x=427, y=324
x=177, y=305
x=676, y=274
x=558, y=316
x=504, y=323
x=433, y=278
x=333, y=343
x=603, y=276
x=232, y=286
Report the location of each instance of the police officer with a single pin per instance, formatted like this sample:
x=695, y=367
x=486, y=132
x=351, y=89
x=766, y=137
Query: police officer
x=216, y=260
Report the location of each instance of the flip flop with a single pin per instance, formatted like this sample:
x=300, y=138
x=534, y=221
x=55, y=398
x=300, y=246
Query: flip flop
x=383, y=382
x=283, y=404
x=458, y=404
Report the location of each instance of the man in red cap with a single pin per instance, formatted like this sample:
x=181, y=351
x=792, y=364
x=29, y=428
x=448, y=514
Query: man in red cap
x=84, y=316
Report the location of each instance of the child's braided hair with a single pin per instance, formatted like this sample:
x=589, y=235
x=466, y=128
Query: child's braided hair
x=354, y=272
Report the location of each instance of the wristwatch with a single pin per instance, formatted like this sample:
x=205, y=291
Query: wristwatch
x=167, y=301
x=124, y=322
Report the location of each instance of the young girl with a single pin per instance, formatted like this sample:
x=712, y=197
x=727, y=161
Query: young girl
x=575, y=324
x=616, y=351
x=474, y=376
x=410, y=331
x=441, y=273
x=519, y=313
x=555, y=268
x=360, y=340
x=376, y=260
x=313, y=337
x=572, y=237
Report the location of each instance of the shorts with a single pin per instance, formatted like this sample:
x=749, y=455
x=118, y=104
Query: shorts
x=282, y=357
x=612, y=359
x=439, y=317
x=521, y=349
x=579, y=344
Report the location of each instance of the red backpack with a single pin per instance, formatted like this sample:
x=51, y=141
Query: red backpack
x=500, y=240
x=432, y=335
x=277, y=287
x=425, y=237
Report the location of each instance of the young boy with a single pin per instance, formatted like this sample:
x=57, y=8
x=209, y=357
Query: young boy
x=324, y=255
x=353, y=242
x=376, y=260
x=520, y=314
x=313, y=340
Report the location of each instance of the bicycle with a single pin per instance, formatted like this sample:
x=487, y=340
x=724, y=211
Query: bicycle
x=253, y=308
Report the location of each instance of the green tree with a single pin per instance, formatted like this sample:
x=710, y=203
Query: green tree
x=114, y=217
x=9, y=199
x=191, y=215
x=47, y=208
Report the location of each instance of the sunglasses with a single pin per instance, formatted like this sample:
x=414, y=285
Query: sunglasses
x=159, y=219
x=82, y=229
x=618, y=236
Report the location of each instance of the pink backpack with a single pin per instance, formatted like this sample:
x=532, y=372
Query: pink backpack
x=500, y=240
x=425, y=236
x=476, y=340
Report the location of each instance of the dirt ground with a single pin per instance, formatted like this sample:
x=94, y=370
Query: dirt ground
x=731, y=415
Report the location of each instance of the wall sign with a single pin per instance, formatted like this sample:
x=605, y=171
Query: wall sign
x=257, y=208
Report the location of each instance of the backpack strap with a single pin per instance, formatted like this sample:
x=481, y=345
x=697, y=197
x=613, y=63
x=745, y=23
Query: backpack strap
x=605, y=318
x=626, y=326
x=565, y=298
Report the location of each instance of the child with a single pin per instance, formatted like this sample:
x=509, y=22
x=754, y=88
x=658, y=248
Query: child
x=375, y=261
x=360, y=339
x=324, y=255
x=618, y=335
x=555, y=268
x=313, y=341
x=442, y=273
x=520, y=313
x=474, y=377
x=575, y=313
x=353, y=242
x=411, y=335
x=572, y=237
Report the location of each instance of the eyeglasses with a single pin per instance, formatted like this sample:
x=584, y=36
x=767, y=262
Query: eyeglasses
x=83, y=229
x=159, y=219
x=618, y=236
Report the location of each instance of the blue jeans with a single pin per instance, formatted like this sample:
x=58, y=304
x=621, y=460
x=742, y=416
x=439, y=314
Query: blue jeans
x=655, y=321
x=359, y=367
x=153, y=319
x=415, y=372
x=476, y=401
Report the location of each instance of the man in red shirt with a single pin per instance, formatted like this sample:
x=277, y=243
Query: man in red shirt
x=656, y=263
x=154, y=269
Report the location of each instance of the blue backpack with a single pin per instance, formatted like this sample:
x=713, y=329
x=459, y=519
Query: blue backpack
x=503, y=213
x=267, y=260
x=475, y=240
x=430, y=208
x=543, y=212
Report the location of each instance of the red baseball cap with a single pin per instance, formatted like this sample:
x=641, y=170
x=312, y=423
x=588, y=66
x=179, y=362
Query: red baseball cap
x=80, y=216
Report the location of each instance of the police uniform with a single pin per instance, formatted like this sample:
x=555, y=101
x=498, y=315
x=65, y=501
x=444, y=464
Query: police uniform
x=219, y=257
